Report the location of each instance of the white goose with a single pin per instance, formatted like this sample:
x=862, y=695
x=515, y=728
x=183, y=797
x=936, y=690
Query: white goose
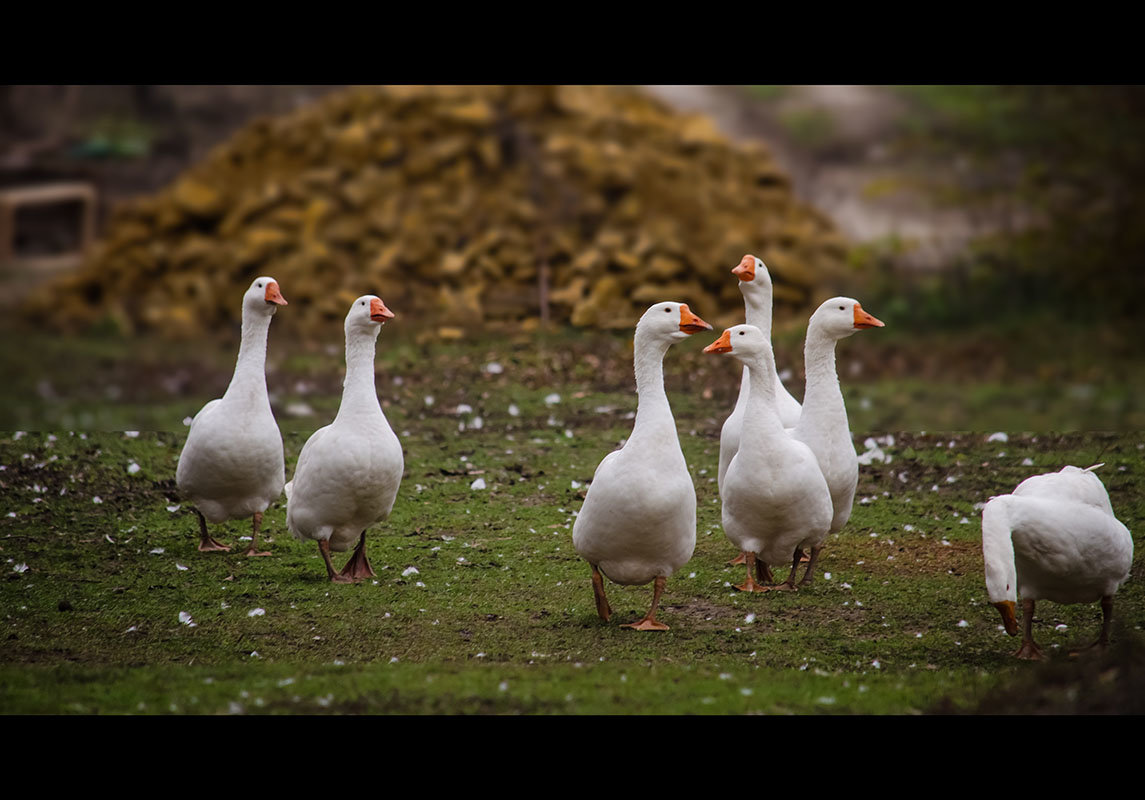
x=1054, y=538
x=348, y=472
x=638, y=521
x=775, y=499
x=232, y=464
x=755, y=286
x=823, y=424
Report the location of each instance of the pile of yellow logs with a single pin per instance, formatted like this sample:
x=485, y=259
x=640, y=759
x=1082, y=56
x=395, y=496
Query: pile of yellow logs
x=460, y=206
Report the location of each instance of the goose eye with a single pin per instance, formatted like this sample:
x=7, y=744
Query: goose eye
x=668, y=310
x=260, y=286
x=741, y=333
x=841, y=308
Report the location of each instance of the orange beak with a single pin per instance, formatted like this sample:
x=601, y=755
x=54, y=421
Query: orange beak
x=745, y=271
x=1006, y=609
x=690, y=323
x=865, y=320
x=721, y=345
x=274, y=296
x=379, y=312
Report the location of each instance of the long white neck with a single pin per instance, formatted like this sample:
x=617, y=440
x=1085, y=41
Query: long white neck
x=653, y=414
x=248, y=384
x=757, y=302
x=823, y=406
x=359, y=395
x=761, y=417
x=998, y=550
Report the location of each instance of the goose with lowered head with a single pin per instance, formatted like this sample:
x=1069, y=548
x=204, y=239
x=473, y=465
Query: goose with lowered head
x=348, y=472
x=775, y=499
x=638, y=520
x=232, y=465
x=1054, y=538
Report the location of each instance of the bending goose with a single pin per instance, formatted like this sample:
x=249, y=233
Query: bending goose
x=638, y=521
x=348, y=472
x=1054, y=538
x=232, y=464
x=775, y=499
x=823, y=424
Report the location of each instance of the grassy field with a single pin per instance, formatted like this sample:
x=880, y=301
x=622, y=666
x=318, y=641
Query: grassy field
x=480, y=604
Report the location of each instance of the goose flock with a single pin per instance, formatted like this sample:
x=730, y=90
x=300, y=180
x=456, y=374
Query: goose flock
x=787, y=470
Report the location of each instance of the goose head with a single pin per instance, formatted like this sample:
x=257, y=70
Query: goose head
x=367, y=315
x=671, y=322
x=840, y=317
x=263, y=297
x=754, y=279
x=744, y=342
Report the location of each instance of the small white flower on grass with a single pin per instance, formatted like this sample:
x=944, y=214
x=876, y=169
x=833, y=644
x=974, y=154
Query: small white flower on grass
x=185, y=618
x=409, y=571
x=132, y=628
x=464, y=408
x=419, y=583
x=299, y=409
x=552, y=399
x=132, y=468
x=876, y=664
x=20, y=568
x=568, y=433
x=963, y=624
x=964, y=521
x=745, y=691
x=158, y=551
x=750, y=618
x=234, y=708
x=998, y=437
x=1060, y=627
x=429, y=400
x=503, y=686
x=513, y=410
x=128, y=434
x=256, y=612
x=1027, y=462
x=96, y=500
x=477, y=423
x=477, y=484
x=494, y=368
x=12, y=514
x=394, y=660
x=826, y=701
x=286, y=681
x=575, y=484
x=173, y=509
x=180, y=567
x=725, y=676
x=187, y=421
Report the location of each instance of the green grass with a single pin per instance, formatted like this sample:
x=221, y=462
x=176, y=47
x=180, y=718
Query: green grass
x=499, y=616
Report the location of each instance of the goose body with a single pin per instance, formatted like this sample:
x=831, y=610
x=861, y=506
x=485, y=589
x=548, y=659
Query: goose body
x=1054, y=538
x=638, y=520
x=348, y=472
x=232, y=464
x=775, y=499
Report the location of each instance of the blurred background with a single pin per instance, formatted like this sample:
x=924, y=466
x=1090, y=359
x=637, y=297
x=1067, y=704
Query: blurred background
x=997, y=230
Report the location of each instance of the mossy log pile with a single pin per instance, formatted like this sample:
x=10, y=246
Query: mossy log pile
x=459, y=206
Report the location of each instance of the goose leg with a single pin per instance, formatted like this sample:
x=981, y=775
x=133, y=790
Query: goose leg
x=740, y=559
x=809, y=575
x=750, y=585
x=358, y=567
x=324, y=549
x=789, y=584
x=649, y=623
x=603, y=610
x=1106, y=621
x=256, y=523
x=207, y=543
x=1029, y=649
x=763, y=572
